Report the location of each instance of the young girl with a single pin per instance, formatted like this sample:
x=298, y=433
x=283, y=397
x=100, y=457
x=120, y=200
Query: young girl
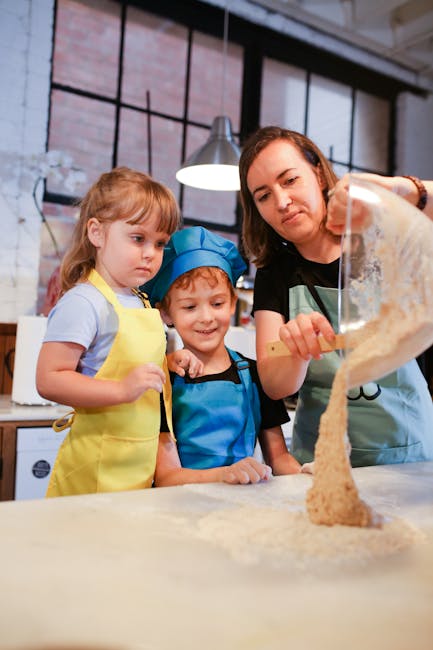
x=104, y=349
x=218, y=415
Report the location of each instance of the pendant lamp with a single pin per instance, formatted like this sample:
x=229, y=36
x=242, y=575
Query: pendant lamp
x=215, y=166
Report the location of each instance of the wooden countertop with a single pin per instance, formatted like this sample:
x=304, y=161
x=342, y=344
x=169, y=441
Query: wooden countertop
x=143, y=571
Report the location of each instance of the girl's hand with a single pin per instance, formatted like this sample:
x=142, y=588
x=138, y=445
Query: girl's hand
x=145, y=377
x=247, y=470
x=300, y=335
x=182, y=361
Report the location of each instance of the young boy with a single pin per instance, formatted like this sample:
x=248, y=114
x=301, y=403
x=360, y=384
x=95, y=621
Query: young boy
x=219, y=415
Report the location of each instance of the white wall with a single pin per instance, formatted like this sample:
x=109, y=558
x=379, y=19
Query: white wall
x=25, y=50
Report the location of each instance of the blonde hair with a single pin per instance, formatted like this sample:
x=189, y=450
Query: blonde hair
x=122, y=193
x=212, y=275
x=259, y=239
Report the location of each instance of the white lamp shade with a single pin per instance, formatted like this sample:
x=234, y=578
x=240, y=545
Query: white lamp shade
x=215, y=165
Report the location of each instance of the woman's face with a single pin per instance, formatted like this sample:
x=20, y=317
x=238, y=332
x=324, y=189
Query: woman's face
x=287, y=192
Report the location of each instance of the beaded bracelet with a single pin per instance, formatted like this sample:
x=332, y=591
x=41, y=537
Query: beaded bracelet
x=422, y=192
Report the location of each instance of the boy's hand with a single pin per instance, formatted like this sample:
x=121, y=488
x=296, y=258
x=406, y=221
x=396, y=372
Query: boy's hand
x=182, y=361
x=307, y=468
x=247, y=470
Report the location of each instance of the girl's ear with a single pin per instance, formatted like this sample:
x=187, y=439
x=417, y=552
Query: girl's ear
x=95, y=232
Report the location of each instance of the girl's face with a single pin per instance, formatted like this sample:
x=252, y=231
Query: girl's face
x=201, y=314
x=287, y=192
x=127, y=255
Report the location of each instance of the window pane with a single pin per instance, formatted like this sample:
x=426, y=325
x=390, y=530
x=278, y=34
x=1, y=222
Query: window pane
x=371, y=127
x=166, y=151
x=284, y=91
x=166, y=139
x=133, y=140
x=83, y=128
x=207, y=205
x=155, y=61
x=86, y=53
x=340, y=170
x=329, y=114
x=208, y=98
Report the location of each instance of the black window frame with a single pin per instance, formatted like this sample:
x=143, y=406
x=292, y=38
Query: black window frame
x=257, y=42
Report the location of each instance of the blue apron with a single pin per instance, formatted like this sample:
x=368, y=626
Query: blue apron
x=390, y=421
x=216, y=423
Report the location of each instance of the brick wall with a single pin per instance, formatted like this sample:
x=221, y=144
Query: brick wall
x=25, y=51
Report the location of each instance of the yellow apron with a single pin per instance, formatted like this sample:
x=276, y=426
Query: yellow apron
x=114, y=448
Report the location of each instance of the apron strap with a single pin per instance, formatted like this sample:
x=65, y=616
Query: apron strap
x=243, y=366
x=305, y=277
x=143, y=297
x=64, y=422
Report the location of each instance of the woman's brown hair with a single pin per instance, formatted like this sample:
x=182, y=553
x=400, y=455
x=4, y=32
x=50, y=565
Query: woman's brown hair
x=260, y=241
x=122, y=193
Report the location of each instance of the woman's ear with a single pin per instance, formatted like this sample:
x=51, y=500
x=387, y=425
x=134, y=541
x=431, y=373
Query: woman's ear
x=95, y=232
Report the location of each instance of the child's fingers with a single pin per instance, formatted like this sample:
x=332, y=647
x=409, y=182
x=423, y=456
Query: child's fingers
x=248, y=470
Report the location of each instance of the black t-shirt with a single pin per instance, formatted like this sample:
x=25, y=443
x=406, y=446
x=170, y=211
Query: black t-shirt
x=273, y=412
x=289, y=269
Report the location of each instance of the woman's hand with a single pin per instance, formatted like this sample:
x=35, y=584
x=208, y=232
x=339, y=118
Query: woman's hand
x=360, y=212
x=247, y=470
x=300, y=335
x=182, y=361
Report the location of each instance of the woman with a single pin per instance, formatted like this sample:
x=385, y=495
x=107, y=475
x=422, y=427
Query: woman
x=285, y=181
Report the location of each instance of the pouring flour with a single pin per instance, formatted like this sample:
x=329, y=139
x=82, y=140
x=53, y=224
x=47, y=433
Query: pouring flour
x=387, y=319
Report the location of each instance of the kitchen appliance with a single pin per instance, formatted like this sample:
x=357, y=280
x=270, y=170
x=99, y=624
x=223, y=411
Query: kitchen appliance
x=37, y=449
x=30, y=334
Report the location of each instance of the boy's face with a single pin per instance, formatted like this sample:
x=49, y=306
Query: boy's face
x=201, y=314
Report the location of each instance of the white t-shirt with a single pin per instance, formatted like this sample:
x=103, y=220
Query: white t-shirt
x=84, y=316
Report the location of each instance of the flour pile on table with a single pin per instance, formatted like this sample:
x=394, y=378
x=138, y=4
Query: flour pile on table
x=281, y=537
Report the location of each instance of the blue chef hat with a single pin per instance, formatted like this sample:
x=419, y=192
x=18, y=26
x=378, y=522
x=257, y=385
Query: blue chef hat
x=189, y=249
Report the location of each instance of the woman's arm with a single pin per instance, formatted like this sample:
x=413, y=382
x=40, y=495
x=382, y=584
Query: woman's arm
x=282, y=376
x=275, y=453
x=58, y=380
x=169, y=470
